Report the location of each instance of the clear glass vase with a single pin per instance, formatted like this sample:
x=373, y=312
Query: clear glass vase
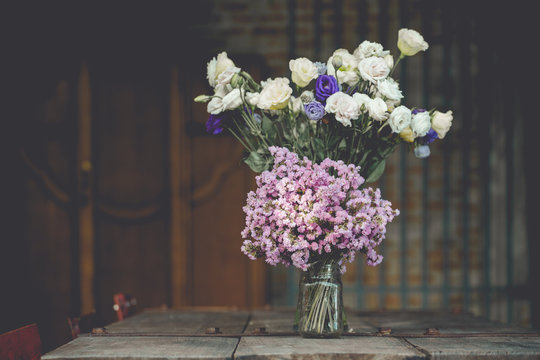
x=319, y=311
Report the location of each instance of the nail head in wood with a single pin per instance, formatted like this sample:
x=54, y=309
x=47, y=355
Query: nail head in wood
x=260, y=331
x=432, y=331
x=213, y=331
x=99, y=330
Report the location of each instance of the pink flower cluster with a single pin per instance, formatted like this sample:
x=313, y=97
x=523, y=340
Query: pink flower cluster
x=302, y=211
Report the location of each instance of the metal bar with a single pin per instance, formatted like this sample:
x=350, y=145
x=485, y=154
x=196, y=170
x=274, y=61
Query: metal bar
x=509, y=113
x=362, y=30
x=426, y=30
x=402, y=177
x=446, y=80
x=383, y=37
x=292, y=284
x=338, y=22
x=465, y=91
x=317, y=31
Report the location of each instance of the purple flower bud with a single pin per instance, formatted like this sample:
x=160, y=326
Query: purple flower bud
x=416, y=111
x=428, y=138
x=314, y=110
x=325, y=86
x=422, y=151
x=214, y=124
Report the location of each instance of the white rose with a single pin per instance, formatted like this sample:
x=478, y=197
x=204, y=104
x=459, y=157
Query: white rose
x=215, y=106
x=410, y=42
x=224, y=78
x=216, y=66
x=252, y=98
x=303, y=71
x=373, y=69
x=275, y=94
x=377, y=109
x=421, y=123
x=343, y=106
x=441, y=122
x=400, y=119
x=368, y=49
x=389, y=88
x=232, y=100
x=347, y=71
x=362, y=100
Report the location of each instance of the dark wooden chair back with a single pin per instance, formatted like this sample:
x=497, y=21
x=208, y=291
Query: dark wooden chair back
x=124, y=305
x=23, y=343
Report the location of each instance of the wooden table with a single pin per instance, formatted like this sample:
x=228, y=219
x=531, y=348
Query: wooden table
x=267, y=334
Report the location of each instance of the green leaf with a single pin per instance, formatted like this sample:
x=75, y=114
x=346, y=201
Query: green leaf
x=318, y=145
x=256, y=162
x=375, y=171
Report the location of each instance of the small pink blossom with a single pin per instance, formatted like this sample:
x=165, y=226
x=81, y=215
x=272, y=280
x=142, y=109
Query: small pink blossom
x=301, y=210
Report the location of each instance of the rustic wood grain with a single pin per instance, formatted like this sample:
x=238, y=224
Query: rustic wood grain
x=446, y=322
x=278, y=347
x=180, y=225
x=124, y=348
x=480, y=348
x=181, y=322
x=85, y=189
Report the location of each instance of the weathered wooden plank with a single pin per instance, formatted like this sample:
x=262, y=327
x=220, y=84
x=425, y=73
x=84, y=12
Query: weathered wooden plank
x=124, y=348
x=446, y=322
x=259, y=347
x=480, y=348
x=181, y=322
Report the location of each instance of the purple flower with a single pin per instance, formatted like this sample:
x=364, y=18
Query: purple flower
x=214, y=124
x=325, y=86
x=314, y=110
x=428, y=138
x=422, y=151
x=416, y=111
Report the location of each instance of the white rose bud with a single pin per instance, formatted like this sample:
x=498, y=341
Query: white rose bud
x=410, y=42
x=421, y=123
x=377, y=109
x=307, y=97
x=296, y=105
x=303, y=71
x=400, y=119
x=373, y=69
x=347, y=71
x=202, y=98
x=441, y=122
x=232, y=100
x=215, y=106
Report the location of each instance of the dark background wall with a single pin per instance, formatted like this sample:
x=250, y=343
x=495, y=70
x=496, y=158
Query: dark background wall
x=110, y=183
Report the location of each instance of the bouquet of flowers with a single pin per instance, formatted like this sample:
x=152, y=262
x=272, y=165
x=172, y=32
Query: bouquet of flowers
x=316, y=139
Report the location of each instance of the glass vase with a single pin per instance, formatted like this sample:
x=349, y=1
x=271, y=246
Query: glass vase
x=319, y=311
